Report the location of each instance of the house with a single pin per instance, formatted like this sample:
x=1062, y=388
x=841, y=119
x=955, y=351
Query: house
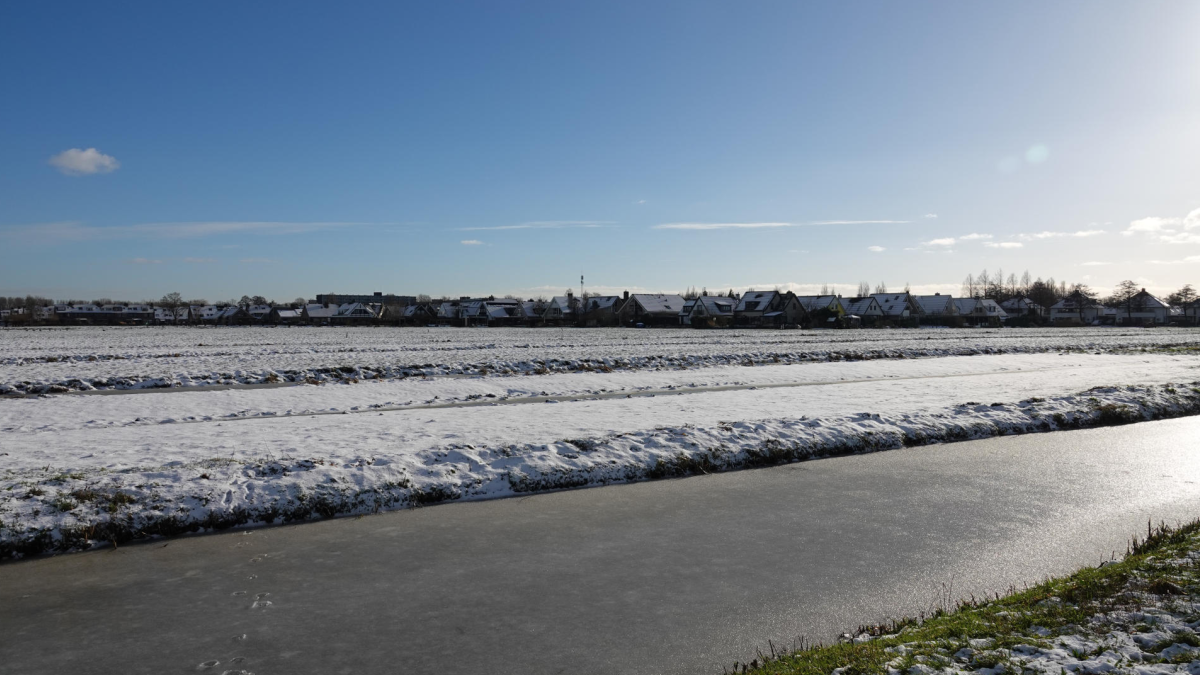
x=1143, y=309
x=205, y=314
x=286, y=316
x=979, y=311
x=319, y=314
x=866, y=308
x=259, y=313
x=420, y=314
x=651, y=309
x=561, y=309
x=936, y=308
x=1079, y=310
x=769, y=308
x=898, y=307
x=231, y=316
x=164, y=315
x=1191, y=313
x=600, y=310
x=708, y=311
x=824, y=311
x=355, y=313
x=1022, y=306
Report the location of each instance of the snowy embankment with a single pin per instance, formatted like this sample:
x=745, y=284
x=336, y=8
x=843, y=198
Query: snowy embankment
x=149, y=358
x=75, y=481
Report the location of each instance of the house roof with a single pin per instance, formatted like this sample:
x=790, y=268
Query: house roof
x=289, y=313
x=1019, y=303
x=935, y=304
x=562, y=302
x=814, y=302
x=985, y=306
x=597, y=302
x=714, y=305
x=319, y=311
x=893, y=304
x=1074, y=302
x=755, y=301
x=865, y=306
x=1147, y=301
x=658, y=303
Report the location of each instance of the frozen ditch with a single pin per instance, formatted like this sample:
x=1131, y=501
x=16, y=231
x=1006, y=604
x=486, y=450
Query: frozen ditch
x=75, y=471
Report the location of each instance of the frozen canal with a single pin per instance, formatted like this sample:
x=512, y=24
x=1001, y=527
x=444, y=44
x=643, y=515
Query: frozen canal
x=680, y=576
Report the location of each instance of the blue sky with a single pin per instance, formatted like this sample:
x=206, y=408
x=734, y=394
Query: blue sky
x=289, y=149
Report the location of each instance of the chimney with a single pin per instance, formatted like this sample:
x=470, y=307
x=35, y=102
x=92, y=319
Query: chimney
x=626, y=295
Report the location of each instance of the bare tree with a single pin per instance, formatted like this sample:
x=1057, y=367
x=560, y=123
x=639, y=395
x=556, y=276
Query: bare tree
x=171, y=302
x=881, y=287
x=864, y=289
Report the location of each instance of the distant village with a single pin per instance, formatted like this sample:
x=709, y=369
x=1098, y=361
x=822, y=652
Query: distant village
x=990, y=300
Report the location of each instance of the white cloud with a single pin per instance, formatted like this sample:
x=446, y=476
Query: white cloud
x=1167, y=229
x=1087, y=233
x=973, y=236
x=876, y=249
x=200, y=260
x=1003, y=244
x=1095, y=263
x=756, y=226
x=471, y=242
x=640, y=201
x=77, y=231
x=543, y=225
x=929, y=215
x=945, y=241
x=143, y=261
x=76, y=162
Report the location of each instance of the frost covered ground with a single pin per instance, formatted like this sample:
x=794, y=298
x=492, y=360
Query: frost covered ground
x=83, y=468
x=1137, y=616
x=56, y=360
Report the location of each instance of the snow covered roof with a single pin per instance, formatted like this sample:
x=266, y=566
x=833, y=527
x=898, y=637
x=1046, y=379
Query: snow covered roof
x=356, y=310
x=755, y=301
x=1019, y=304
x=289, y=314
x=597, y=302
x=935, y=304
x=1073, y=302
x=812, y=303
x=713, y=305
x=319, y=311
x=561, y=303
x=1147, y=301
x=893, y=304
x=865, y=306
x=980, y=306
x=658, y=303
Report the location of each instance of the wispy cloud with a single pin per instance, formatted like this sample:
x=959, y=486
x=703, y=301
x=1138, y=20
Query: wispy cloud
x=974, y=236
x=1079, y=234
x=543, y=225
x=199, y=260
x=1186, y=261
x=767, y=225
x=73, y=231
x=1003, y=244
x=76, y=162
x=876, y=249
x=256, y=261
x=1095, y=263
x=471, y=242
x=640, y=201
x=143, y=261
x=944, y=241
x=929, y=215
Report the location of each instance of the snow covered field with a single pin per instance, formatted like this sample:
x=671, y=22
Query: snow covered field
x=84, y=467
x=55, y=360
